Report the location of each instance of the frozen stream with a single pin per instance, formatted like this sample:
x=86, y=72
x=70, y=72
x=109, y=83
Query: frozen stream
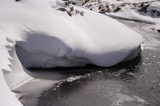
x=135, y=83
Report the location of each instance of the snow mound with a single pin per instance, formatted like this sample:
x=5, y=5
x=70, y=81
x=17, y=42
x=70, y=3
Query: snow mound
x=145, y=11
x=74, y=41
x=45, y=36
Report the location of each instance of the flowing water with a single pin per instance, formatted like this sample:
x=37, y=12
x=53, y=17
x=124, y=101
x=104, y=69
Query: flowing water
x=135, y=83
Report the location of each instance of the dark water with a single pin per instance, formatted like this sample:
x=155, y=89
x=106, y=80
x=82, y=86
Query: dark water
x=134, y=83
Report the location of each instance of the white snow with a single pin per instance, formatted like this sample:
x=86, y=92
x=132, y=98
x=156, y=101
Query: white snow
x=7, y=97
x=155, y=4
x=46, y=37
x=128, y=10
x=133, y=15
x=71, y=79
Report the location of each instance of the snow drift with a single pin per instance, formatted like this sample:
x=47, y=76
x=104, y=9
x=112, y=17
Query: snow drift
x=46, y=37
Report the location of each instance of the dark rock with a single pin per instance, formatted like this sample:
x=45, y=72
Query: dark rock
x=116, y=9
x=62, y=9
x=143, y=7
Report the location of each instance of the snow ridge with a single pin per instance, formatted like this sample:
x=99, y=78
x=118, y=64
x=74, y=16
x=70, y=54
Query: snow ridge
x=47, y=37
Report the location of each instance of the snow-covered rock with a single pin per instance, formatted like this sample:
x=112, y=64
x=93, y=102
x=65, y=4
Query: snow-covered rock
x=146, y=11
x=153, y=10
x=45, y=37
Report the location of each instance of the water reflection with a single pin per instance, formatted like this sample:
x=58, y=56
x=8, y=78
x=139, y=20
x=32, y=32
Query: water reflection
x=99, y=87
x=132, y=83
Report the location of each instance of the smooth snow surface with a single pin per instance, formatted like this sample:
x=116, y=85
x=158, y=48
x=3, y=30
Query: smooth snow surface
x=52, y=38
x=46, y=37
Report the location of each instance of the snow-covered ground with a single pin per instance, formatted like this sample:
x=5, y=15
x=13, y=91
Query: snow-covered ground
x=142, y=10
x=50, y=33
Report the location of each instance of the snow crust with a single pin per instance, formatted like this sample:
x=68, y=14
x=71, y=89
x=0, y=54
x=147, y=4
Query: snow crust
x=46, y=37
x=147, y=11
x=7, y=97
x=133, y=15
x=155, y=5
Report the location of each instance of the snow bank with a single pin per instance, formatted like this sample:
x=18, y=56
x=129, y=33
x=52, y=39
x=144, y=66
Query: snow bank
x=135, y=16
x=147, y=11
x=67, y=39
x=46, y=37
x=7, y=97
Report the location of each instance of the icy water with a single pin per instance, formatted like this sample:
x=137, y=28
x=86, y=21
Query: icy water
x=135, y=83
